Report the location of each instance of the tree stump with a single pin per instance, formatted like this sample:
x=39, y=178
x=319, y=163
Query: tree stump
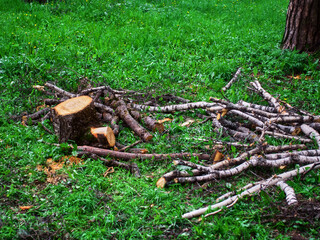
x=73, y=118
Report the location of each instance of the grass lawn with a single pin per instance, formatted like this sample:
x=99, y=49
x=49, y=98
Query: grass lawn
x=187, y=48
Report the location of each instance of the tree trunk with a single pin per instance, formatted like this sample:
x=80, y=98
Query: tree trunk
x=302, y=30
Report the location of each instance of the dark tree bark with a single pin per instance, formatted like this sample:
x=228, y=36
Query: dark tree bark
x=302, y=30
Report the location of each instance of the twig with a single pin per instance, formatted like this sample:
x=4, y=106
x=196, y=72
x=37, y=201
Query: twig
x=60, y=90
x=235, y=77
x=130, y=146
x=256, y=188
x=173, y=108
x=128, y=156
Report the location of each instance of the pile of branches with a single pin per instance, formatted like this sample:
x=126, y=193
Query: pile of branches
x=247, y=125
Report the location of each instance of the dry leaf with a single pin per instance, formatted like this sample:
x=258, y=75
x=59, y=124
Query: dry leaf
x=39, y=168
x=298, y=77
x=23, y=208
x=74, y=160
x=187, y=123
x=282, y=167
x=161, y=182
x=24, y=121
x=38, y=87
x=218, y=116
x=143, y=151
x=218, y=156
x=53, y=166
x=57, y=178
x=165, y=120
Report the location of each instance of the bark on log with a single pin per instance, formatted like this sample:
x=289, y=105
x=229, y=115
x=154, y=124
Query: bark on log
x=73, y=118
x=310, y=152
x=168, y=177
x=311, y=133
x=113, y=120
x=257, y=150
x=290, y=195
x=150, y=123
x=131, y=150
x=60, y=90
x=173, y=108
x=268, y=97
x=128, y=156
x=103, y=107
x=123, y=113
x=257, y=106
x=256, y=188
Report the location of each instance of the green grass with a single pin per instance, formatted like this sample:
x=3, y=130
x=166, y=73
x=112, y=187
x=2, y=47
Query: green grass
x=188, y=48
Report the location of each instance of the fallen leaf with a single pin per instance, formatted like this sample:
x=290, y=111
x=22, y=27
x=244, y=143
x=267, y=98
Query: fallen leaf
x=143, y=151
x=24, y=121
x=218, y=156
x=165, y=120
x=53, y=166
x=74, y=160
x=187, y=123
x=282, y=167
x=23, y=208
x=161, y=182
x=38, y=87
x=55, y=179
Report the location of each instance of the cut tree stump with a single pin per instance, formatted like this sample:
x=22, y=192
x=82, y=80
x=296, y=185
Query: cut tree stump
x=73, y=117
x=104, y=135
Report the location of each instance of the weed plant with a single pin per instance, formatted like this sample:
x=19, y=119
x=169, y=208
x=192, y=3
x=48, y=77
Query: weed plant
x=188, y=48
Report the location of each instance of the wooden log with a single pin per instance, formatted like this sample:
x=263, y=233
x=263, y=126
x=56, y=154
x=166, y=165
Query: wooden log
x=129, y=156
x=73, y=118
x=104, y=135
x=150, y=123
x=123, y=113
x=113, y=120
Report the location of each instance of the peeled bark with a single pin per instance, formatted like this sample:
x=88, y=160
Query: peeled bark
x=302, y=30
